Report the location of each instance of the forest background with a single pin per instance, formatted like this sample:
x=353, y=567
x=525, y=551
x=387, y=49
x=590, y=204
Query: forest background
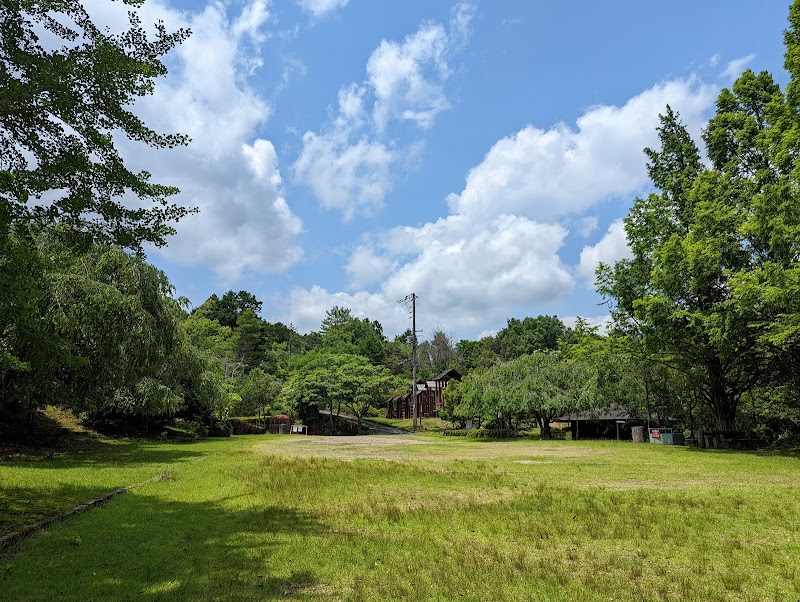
x=706, y=323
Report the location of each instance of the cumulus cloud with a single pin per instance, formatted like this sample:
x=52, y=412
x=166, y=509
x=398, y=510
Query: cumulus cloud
x=322, y=8
x=586, y=225
x=365, y=266
x=498, y=252
x=308, y=307
x=231, y=175
x=470, y=274
x=562, y=171
x=610, y=249
x=735, y=67
x=348, y=164
x=347, y=170
x=398, y=74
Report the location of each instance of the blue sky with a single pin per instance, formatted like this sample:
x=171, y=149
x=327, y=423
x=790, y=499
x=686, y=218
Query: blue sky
x=479, y=154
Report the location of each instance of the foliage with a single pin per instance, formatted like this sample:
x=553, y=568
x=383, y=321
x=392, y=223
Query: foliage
x=332, y=380
x=107, y=341
x=437, y=354
x=259, y=391
x=229, y=309
x=713, y=278
x=475, y=354
x=523, y=337
x=539, y=386
x=342, y=333
x=62, y=105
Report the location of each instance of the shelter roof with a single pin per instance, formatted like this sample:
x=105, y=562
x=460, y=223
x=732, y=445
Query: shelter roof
x=615, y=411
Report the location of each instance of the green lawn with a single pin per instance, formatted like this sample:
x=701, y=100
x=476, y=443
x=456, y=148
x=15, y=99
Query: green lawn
x=420, y=518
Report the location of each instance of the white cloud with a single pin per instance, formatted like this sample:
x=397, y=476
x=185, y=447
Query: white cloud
x=498, y=253
x=549, y=174
x=586, y=225
x=714, y=60
x=308, y=307
x=227, y=172
x=351, y=176
x=407, y=78
x=348, y=165
x=734, y=68
x=365, y=266
x=611, y=248
x=322, y=8
x=470, y=274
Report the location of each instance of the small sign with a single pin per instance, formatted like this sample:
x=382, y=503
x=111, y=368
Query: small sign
x=469, y=424
x=655, y=434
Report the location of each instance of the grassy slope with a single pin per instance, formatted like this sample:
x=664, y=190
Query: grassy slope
x=407, y=424
x=372, y=518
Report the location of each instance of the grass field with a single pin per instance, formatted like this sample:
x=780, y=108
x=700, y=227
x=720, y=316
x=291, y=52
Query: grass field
x=420, y=517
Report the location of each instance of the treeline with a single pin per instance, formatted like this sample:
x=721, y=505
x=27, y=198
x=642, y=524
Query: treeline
x=96, y=331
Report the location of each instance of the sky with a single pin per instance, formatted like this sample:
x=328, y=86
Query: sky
x=480, y=154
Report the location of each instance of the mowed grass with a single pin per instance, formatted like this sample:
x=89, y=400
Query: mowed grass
x=431, y=518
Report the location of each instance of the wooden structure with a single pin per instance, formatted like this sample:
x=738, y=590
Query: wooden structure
x=611, y=422
x=429, y=397
x=280, y=424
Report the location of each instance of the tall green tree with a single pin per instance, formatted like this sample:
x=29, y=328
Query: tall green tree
x=344, y=334
x=522, y=337
x=713, y=278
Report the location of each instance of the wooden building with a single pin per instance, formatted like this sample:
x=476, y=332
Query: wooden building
x=429, y=397
x=611, y=422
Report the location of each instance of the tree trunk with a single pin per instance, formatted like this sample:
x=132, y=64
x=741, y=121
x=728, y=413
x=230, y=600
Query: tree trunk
x=544, y=422
x=358, y=416
x=723, y=405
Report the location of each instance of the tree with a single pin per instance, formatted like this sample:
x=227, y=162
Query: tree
x=106, y=341
x=332, y=380
x=535, y=387
x=60, y=112
x=249, y=337
x=342, y=333
x=364, y=384
x=714, y=246
x=475, y=354
x=258, y=391
x=335, y=317
x=227, y=310
x=521, y=337
x=439, y=353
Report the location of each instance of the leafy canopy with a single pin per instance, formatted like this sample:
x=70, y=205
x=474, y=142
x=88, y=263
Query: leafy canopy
x=61, y=107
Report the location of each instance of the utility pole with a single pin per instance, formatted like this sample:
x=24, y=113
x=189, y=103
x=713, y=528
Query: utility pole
x=413, y=298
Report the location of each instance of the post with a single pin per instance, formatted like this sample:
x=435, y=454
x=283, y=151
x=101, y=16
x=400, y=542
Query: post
x=291, y=332
x=414, y=357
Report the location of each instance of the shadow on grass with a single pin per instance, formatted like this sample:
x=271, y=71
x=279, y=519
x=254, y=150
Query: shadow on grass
x=783, y=452
x=21, y=507
x=141, y=546
x=106, y=453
